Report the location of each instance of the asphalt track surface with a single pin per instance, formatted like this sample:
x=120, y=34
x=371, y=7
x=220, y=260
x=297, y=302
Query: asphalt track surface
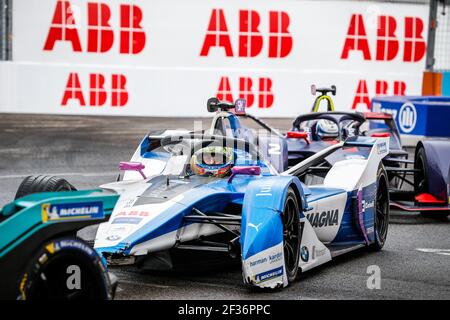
x=87, y=150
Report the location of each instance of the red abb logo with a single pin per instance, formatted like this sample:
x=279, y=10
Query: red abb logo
x=100, y=35
x=133, y=213
x=387, y=44
x=250, y=37
x=264, y=94
x=381, y=89
x=97, y=92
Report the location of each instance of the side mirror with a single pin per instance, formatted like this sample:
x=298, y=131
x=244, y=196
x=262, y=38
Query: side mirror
x=250, y=170
x=298, y=135
x=313, y=89
x=133, y=166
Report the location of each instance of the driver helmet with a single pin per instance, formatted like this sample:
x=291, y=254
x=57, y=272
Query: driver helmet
x=212, y=161
x=327, y=130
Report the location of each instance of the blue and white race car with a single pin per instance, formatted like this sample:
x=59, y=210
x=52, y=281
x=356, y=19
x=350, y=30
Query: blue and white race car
x=212, y=193
x=217, y=193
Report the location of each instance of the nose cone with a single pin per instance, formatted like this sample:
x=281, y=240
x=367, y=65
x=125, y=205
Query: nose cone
x=262, y=253
x=128, y=227
x=260, y=232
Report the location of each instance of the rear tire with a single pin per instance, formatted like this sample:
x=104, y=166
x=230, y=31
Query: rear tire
x=291, y=235
x=381, y=218
x=421, y=183
x=35, y=184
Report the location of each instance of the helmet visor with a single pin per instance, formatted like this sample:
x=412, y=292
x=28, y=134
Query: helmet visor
x=213, y=158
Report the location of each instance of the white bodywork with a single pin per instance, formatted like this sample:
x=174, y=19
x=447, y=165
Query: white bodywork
x=347, y=175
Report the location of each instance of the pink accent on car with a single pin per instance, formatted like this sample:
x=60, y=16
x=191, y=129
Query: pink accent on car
x=250, y=170
x=133, y=166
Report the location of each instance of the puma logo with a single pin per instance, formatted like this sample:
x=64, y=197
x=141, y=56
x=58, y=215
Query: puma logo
x=255, y=226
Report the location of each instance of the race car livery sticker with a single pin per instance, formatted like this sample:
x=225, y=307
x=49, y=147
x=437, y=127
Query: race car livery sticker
x=126, y=220
x=327, y=215
x=72, y=244
x=304, y=254
x=113, y=237
x=324, y=218
x=239, y=106
x=266, y=268
x=267, y=275
x=65, y=211
x=367, y=204
x=271, y=258
x=381, y=148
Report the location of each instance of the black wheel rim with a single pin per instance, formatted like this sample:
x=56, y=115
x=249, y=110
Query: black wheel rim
x=381, y=214
x=290, y=236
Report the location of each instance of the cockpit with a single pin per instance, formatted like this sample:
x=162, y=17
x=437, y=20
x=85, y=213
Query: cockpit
x=207, y=156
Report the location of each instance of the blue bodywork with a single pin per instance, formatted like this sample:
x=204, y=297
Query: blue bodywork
x=263, y=205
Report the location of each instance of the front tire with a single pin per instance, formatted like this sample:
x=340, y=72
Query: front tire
x=66, y=269
x=35, y=184
x=421, y=183
x=291, y=235
x=381, y=218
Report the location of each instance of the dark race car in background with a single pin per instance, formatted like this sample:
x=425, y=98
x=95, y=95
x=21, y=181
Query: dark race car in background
x=421, y=184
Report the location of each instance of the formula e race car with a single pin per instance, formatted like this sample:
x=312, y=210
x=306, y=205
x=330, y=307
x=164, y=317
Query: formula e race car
x=41, y=257
x=212, y=193
x=426, y=192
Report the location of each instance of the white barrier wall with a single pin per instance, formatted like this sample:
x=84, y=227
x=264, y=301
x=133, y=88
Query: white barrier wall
x=166, y=58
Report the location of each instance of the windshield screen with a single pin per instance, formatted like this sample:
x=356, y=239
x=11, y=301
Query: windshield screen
x=178, y=153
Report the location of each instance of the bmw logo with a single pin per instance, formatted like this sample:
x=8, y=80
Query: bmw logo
x=304, y=254
x=113, y=238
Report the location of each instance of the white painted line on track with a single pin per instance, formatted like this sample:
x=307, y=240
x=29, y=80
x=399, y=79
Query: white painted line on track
x=145, y=284
x=444, y=252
